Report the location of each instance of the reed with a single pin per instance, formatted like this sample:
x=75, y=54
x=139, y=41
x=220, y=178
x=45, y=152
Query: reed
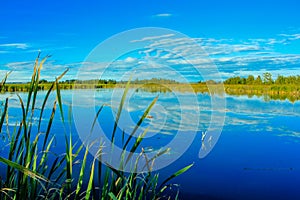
x=35, y=171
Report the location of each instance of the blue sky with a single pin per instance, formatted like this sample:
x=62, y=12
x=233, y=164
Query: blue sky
x=239, y=37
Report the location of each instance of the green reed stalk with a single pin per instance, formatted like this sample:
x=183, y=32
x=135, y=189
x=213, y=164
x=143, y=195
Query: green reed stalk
x=31, y=175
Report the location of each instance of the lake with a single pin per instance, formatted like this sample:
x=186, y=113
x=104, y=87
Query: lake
x=255, y=156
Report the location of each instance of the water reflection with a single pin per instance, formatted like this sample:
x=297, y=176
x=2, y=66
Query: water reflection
x=258, y=146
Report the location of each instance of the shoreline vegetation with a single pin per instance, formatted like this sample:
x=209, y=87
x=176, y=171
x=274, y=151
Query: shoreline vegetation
x=33, y=169
x=281, y=88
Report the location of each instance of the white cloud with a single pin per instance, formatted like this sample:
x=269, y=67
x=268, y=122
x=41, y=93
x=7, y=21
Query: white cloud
x=273, y=41
x=24, y=65
x=163, y=15
x=22, y=71
x=130, y=60
x=229, y=56
x=15, y=45
x=153, y=38
x=291, y=36
x=198, y=61
x=180, y=53
x=240, y=48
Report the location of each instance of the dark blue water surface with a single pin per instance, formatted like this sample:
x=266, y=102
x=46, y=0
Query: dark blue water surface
x=256, y=157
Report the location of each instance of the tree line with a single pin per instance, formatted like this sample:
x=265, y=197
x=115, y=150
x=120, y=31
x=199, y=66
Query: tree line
x=152, y=80
x=92, y=81
x=266, y=79
x=112, y=81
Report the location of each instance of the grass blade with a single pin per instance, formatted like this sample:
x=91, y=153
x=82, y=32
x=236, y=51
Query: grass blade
x=160, y=153
x=140, y=121
x=81, y=174
x=3, y=114
x=47, y=96
x=69, y=161
x=60, y=76
x=44, y=104
x=31, y=86
x=136, y=144
x=112, y=196
x=36, y=82
x=59, y=100
x=179, y=172
x=90, y=184
x=2, y=84
x=24, y=170
x=120, y=110
x=24, y=117
x=49, y=125
x=96, y=117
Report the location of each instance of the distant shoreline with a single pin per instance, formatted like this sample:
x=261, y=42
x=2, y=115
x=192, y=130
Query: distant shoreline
x=273, y=91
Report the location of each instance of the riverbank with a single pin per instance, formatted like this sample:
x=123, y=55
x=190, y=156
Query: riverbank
x=274, y=91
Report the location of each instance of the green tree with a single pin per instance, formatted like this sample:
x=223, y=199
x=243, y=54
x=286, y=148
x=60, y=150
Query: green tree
x=280, y=80
x=243, y=81
x=234, y=80
x=267, y=78
x=258, y=80
x=43, y=81
x=250, y=79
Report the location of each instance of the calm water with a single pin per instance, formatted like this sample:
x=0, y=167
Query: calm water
x=256, y=157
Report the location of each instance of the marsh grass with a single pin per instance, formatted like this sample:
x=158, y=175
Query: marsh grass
x=35, y=171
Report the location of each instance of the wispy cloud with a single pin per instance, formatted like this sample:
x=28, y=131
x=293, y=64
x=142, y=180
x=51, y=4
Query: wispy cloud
x=171, y=56
x=163, y=15
x=130, y=60
x=291, y=36
x=15, y=45
x=153, y=38
x=24, y=65
x=238, y=57
x=22, y=71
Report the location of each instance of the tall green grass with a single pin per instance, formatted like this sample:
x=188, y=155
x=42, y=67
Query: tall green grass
x=35, y=171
